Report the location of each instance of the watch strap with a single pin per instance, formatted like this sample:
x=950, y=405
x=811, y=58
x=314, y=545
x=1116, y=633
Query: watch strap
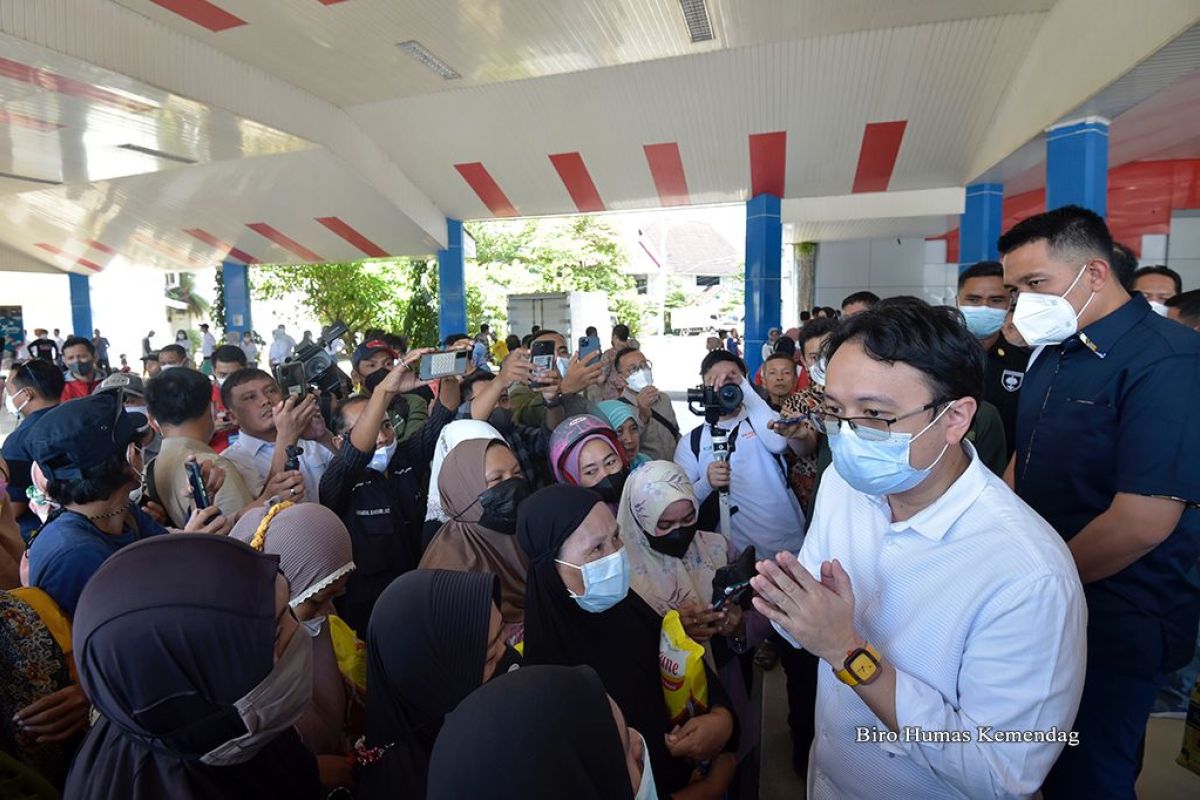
x=845, y=675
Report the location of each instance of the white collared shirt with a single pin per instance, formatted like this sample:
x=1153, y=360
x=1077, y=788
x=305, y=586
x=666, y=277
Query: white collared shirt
x=977, y=604
x=252, y=458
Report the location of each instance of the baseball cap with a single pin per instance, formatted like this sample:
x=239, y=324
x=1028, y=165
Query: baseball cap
x=367, y=349
x=132, y=384
x=80, y=434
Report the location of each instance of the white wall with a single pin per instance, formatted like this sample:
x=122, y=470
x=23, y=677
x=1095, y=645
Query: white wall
x=1183, y=247
x=887, y=267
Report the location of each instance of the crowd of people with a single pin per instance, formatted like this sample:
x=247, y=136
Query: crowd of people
x=968, y=534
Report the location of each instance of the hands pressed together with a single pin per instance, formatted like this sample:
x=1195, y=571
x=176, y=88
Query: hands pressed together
x=818, y=614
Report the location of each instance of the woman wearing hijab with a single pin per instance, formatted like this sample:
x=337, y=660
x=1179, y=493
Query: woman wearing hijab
x=585, y=451
x=543, y=731
x=623, y=419
x=187, y=648
x=451, y=436
x=578, y=610
x=315, y=556
x=434, y=637
x=481, y=486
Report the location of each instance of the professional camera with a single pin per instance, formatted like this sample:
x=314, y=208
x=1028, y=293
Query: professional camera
x=712, y=404
x=311, y=366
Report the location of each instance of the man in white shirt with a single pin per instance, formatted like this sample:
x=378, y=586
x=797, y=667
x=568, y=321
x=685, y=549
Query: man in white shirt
x=282, y=347
x=269, y=425
x=765, y=512
x=952, y=612
x=208, y=343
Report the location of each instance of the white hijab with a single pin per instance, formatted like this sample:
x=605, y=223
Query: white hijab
x=451, y=435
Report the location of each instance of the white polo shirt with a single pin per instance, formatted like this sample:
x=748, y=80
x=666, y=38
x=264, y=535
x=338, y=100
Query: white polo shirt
x=977, y=603
x=252, y=458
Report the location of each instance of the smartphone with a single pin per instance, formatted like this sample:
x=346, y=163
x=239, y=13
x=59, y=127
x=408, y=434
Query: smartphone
x=441, y=365
x=196, y=481
x=792, y=420
x=542, y=356
x=588, y=346
x=732, y=594
x=291, y=379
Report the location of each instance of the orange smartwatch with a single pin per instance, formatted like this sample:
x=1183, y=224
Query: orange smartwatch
x=861, y=666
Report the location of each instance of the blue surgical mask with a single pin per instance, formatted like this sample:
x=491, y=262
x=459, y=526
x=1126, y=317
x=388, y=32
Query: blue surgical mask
x=383, y=457
x=646, y=789
x=983, y=321
x=563, y=363
x=605, y=582
x=880, y=467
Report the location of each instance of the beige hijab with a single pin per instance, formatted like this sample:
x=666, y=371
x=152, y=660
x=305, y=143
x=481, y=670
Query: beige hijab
x=462, y=544
x=665, y=582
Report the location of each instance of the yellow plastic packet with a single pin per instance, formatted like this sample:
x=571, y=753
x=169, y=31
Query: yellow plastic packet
x=681, y=667
x=351, y=653
x=1189, y=753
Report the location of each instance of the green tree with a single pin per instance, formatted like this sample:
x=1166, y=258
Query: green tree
x=185, y=292
x=218, y=305
x=420, y=319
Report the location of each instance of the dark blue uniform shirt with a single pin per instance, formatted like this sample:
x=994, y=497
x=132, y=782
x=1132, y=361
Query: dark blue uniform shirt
x=1116, y=408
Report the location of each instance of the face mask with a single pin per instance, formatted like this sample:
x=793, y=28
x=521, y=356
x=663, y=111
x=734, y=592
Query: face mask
x=312, y=626
x=563, y=363
x=605, y=582
x=165, y=367
x=500, y=504
x=983, y=321
x=373, y=380
x=382, y=457
x=611, y=487
x=1158, y=308
x=81, y=369
x=880, y=467
x=464, y=410
x=11, y=404
x=219, y=381
x=501, y=419
x=1048, y=319
x=271, y=707
x=674, y=544
x=646, y=789
x=817, y=372
x=640, y=380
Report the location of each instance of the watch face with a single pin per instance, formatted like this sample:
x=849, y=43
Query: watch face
x=862, y=665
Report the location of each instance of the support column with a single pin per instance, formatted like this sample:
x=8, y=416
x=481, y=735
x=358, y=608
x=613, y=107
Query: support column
x=235, y=277
x=452, y=285
x=764, y=252
x=979, y=225
x=1077, y=165
x=81, y=305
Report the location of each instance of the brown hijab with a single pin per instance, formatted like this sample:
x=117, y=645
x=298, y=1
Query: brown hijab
x=463, y=544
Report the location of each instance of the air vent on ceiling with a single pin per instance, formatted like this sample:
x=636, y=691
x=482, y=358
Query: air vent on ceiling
x=16, y=177
x=149, y=151
x=420, y=53
x=695, y=15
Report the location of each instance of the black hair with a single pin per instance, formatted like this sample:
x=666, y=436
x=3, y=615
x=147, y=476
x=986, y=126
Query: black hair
x=44, y=378
x=934, y=341
x=870, y=299
x=237, y=379
x=176, y=349
x=1124, y=264
x=815, y=329
x=453, y=337
x=151, y=356
x=485, y=328
x=1166, y=272
x=715, y=357
x=527, y=339
x=591, y=331
x=512, y=342
x=176, y=396
x=624, y=351
x=469, y=383
x=721, y=333
x=779, y=355
x=1188, y=304
x=784, y=345
x=535, y=329
x=98, y=483
x=621, y=332
x=984, y=269
x=1071, y=233
x=805, y=316
x=204, y=326
x=229, y=354
x=74, y=341
x=338, y=424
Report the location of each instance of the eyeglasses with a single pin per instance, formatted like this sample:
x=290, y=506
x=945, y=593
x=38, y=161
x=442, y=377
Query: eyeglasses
x=873, y=429
x=647, y=364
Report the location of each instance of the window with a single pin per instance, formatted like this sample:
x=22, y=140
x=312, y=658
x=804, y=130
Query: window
x=641, y=285
x=708, y=280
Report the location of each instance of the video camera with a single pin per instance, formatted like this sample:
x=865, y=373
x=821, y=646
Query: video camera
x=312, y=367
x=712, y=404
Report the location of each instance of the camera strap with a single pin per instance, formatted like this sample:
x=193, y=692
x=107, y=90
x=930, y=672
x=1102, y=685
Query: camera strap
x=666, y=423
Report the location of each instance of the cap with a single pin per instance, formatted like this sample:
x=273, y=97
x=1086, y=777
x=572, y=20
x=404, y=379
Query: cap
x=367, y=349
x=80, y=434
x=132, y=384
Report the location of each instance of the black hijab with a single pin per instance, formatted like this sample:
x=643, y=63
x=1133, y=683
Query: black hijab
x=169, y=633
x=538, y=732
x=426, y=646
x=621, y=644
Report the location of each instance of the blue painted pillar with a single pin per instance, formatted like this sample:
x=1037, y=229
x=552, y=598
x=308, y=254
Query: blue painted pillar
x=764, y=252
x=236, y=277
x=979, y=226
x=1077, y=165
x=81, y=305
x=452, y=283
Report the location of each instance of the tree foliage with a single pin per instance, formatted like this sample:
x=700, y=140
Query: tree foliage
x=218, y=305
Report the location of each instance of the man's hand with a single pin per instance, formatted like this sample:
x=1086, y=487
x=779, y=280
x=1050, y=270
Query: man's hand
x=287, y=485
x=645, y=402
x=818, y=614
x=701, y=737
x=402, y=378
x=517, y=368
x=156, y=512
x=719, y=474
x=55, y=717
x=732, y=621
x=208, y=520
x=580, y=376
x=292, y=417
x=700, y=623
x=213, y=476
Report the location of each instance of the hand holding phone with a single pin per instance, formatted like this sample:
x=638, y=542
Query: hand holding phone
x=196, y=481
x=443, y=364
x=732, y=594
x=542, y=355
x=589, y=348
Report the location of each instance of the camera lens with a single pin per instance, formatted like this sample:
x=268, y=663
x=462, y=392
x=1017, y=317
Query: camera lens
x=730, y=396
